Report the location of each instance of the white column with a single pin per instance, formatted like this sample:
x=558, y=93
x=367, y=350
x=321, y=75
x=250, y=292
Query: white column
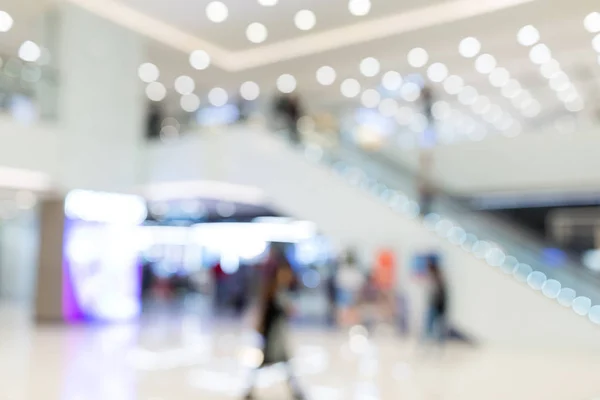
x=101, y=105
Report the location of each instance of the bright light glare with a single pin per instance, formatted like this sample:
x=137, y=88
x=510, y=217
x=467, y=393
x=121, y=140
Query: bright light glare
x=528, y=35
x=437, y=72
x=184, y=85
x=148, y=72
x=286, y=83
x=6, y=21
x=388, y=107
x=469, y=47
x=250, y=90
x=370, y=98
x=190, y=102
x=392, y=80
x=305, y=20
x=268, y=3
x=418, y=57
x=485, y=63
x=499, y=77
x=550, y=69
x=156, y=91
x=199, y=59
x=105, y=207
x=596, y=43
x=29, y=51
x=410, y=91
x=540, y=54
x=217, y=12
x=256, y=32
x=592, y=22
x=326, y=75
x=218, y=97
x=359, y=8
x=369, y=67
x=453, y=84
x=350, y=88
x=468, y=96
x=511, y=89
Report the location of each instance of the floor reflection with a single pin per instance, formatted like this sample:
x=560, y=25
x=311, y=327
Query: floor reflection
x=188, y=356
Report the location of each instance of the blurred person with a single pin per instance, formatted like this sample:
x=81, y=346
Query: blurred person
x=372, y=303
x=426, y=189
x=289, y=109
x=154, y=122
x=332, y=296
x=435, y=319
x=219, y=289
x=349, y=282
x=273, y=311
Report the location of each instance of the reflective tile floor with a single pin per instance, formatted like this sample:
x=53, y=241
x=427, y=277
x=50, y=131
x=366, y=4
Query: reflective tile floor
x=184, y=356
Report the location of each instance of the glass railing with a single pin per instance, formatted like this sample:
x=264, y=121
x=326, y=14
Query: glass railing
x=28, y=92
x=500, y=243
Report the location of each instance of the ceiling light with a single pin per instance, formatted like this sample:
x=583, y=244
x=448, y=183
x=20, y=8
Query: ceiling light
x=370, y=98
x=568, y=95
x=481, y=105
x=184, y=85
x=326, y=75
x=156, y=91
x=370, y=67
x=528, y=35
x=485, y=63
x=499, y=77
x=189, y=102
x=268, y=3
x=305, y=20
x=468, y=95
x=453, y=84
x=359, y=8
x=148, y=72
x=540, y=54
x=532, y=110
x=550, y=69
x=404, y=115
x=437, y=72
x=418, y=57
x=469, y=47
x=350, y=88
x=522, y=100
x=388, y=107
x=560, y=82
x=286, y=83
x=218, y=97
x=410, y=91
x=6, y=21
x=441, y=110
x=29, y=51
x=596, y=43
x=256, y=32
x=199, y=59
x=576, y=105
x=217, y=12
x=592, y=22
x=250, y=90
x=511, y=89
x=391, y=81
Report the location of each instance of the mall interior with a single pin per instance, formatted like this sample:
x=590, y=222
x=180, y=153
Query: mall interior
x=308, y=199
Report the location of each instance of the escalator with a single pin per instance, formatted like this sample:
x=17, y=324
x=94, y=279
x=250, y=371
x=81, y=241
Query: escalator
x=501, y=290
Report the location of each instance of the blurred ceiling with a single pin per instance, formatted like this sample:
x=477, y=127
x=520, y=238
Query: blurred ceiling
x=387, y=33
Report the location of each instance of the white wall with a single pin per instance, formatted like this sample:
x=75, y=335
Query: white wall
x=485, y=303
x=27, y=148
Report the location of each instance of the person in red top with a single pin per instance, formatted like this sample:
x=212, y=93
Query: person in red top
x=219, y=285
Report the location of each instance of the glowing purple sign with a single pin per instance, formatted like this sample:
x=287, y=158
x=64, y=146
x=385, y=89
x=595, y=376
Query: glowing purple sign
x=101, y=269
